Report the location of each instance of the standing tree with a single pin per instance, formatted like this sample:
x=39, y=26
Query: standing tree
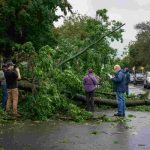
x=139, y=50
x=29, y=20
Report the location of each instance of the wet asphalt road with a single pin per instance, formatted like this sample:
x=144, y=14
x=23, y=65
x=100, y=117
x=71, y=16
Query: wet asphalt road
x=138, y=89
x=129, y=135
x=133, y=134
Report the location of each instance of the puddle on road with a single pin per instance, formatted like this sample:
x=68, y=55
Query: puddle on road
x=139, y=90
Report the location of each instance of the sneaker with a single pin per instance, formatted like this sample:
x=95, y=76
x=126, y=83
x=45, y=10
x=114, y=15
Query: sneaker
x=9, y=113
x=17, y=115
x=119, y=115
x=123, y=115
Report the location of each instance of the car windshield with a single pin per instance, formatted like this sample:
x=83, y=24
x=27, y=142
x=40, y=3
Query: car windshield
x=148, y=74
x=139, y=75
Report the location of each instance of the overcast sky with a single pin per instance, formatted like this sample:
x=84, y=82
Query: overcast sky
x=129, y=12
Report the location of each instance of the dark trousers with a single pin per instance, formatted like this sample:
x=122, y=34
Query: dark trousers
x=90, y=101
x=4, y=96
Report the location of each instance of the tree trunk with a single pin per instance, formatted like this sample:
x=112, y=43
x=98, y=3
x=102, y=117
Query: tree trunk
x=27, y=86
x=110, y=102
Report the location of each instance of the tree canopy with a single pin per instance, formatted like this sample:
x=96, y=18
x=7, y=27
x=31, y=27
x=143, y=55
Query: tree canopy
x=139, y=50
x=29, y=20
x=80, y=31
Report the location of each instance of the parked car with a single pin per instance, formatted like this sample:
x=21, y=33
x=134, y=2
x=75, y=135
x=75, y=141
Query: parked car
x=147, y=80
x=138, y=78
x=131, y=78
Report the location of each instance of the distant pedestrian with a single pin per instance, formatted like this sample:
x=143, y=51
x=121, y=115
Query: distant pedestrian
x=90, y=83
x=119, y=88
x=12, y=75
x=3, y=86
x=127, y=80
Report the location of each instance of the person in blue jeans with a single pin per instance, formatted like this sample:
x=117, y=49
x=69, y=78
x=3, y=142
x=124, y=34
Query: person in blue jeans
x=3, y=86
x=120, y=89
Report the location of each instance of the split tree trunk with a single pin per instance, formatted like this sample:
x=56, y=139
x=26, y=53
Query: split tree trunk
x=110, y=102
x=27, y=86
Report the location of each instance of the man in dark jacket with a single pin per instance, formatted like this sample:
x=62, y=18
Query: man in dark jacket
x=119, y=82
x=90, y=83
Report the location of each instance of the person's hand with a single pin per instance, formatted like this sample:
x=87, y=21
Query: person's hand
x=110, y=76
x=17, y=69
x=18, y=73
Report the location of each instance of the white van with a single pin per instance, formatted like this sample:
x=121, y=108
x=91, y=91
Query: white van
x=147, y=79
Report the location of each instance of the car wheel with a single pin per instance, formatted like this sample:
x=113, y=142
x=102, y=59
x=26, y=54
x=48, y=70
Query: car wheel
x=145, y=86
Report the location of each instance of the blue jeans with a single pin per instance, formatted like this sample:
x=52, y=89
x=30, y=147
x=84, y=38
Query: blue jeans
x=4, y=96
x=121, y=103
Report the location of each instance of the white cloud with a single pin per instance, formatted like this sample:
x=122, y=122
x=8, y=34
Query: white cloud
x=142, y=2
x=82, y=6
x=115, y=16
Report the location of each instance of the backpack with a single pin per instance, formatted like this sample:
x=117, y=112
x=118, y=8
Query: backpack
x=127, y=77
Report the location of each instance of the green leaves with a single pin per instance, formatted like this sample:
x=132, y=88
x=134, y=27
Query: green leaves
x=23, y=20
x=139, y=51
x=79, y=32
x=77, y=114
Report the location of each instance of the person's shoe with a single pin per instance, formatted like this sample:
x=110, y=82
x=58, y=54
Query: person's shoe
x=119, y=115
x=16, y=115
x=116, y=114
x=123, y=115
x=9, y=113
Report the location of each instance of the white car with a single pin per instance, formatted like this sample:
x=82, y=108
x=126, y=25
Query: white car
x=147, y=80
x=131, y=78
x=138, y=78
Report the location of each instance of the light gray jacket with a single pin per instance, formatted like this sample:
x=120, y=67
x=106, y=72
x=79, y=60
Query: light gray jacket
x=2, y=78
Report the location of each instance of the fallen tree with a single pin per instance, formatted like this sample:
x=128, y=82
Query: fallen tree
x=27, y=86
x=110, y=102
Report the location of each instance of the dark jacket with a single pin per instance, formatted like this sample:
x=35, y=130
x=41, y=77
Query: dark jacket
x=11, y=79
x=119, y=82
x=127, y=77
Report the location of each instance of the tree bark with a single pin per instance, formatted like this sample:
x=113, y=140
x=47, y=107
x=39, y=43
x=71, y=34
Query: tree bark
x=27, y=86
x=110, y=102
